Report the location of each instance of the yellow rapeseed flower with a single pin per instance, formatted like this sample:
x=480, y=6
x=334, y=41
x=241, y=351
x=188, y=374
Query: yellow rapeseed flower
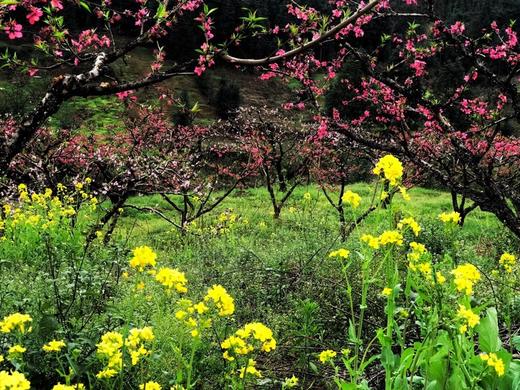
x=222, y=300
x=453, y=217
x=507, y=260
x=468, y=317
x=54, y=346
x=16, y=349
x=387, y=291
x=143, y=257
x=77, y=386
x=13, y=381
x=372, y=241
x=391, y=237
x=351, y=198
x=390, y=168
x=465, y=277
x=494, y=361
x=249, y=369
x=410, y=222
x=150, y=386
x=327, y=356
x=291, y=382
x=15, y=321
x=342, y=253
x=172, y=279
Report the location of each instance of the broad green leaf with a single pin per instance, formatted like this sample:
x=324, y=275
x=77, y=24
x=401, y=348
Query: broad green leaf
x=488, y=338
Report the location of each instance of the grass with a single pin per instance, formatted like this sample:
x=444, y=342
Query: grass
x=279, y=271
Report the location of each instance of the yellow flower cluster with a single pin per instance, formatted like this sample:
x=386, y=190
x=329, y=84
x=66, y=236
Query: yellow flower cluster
x=494, y=361
x=465, y=277
x=172, y=279
x=245, y=339
x=508, y=261
x=341, y=253
x=13, y=381
x=249, y=369
x=468, y=317
x=221, y=299
x=410, y=222
x=78, y=386
x=388, y=237
x=150, y=386
x=143, y=257
x=453, y=217
x=45, y=210
x=391, y=237
x=15, y=321
x=290, y=383
x=16, y=349
x=109, y=349
x=390, y=168
x=327, y=356
x=387, y=291
x=351, y=198
x=54, y=346
x=193, y=316
x=372, y=241
x=135, y=343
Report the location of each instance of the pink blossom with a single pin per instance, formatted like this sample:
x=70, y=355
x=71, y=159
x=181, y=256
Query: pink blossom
x=34, y=15
x=56, y=4
x=457, y=28
x=32, y=72
x=13, y=30
x=419, y=67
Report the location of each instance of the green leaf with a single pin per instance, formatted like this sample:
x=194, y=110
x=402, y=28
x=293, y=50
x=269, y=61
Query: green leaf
x=85, y=5
x=488, y=338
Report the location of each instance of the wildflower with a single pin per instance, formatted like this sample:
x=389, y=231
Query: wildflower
x=14, y=321
x=150, y=386
x=307, y=196
x=249, y=369
x=109, y=348
x=404, y=193
x=372, y=241
x=390, y=168
x=440, y=278
x=342, y=252
x=291, y=382
x=494, y=361
x=468, y=316
x=391, y=237
x=387, y=291
x=453, y=217
x=351, y=198
x=242, y=342
x=384, y=195
x=54, y=346
x=222, y=300
x=508, y=261
x=172, y=279
x=327, y=356
x=418, y=250
x=465, y=276
x=13, y=381
x=16, y=350
x=412, y=223
x=143, y=256
x=77, y=386
x=106, y=373
x=426, y=269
